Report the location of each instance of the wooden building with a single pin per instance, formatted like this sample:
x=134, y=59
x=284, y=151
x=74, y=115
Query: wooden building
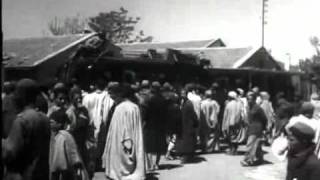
x=88, y=56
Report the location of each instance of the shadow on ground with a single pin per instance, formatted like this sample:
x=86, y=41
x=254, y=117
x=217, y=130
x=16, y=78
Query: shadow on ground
x=169, y=166
x=196, y=159
x=241, y=153
x=152, y=176
x=264, y=162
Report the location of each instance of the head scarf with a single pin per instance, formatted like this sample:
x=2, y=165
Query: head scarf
x=232, y=94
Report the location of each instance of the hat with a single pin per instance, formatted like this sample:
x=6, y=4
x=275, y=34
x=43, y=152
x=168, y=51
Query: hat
x=74, y=90
x=255, y=89
x=302, y=131
x=208, y=93
x=167, y=86
x=232, y=94
x=8, y=87
x=307, y=107
x=59, y=85
x=215, y=85
x=59, y=116
x=264, y=95
x=145, y=84
x=155, y=84
x=134, y=87
x=113, y=86
x=189, y=87
x=240, y=91
x=250, y=93
x=27, y=90
x=60, y=88
x=314, y=96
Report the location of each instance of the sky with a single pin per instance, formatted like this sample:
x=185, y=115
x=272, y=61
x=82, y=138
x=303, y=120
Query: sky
x=290, y=23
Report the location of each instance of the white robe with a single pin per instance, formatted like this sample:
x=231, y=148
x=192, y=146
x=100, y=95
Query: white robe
x=94, y=102
x=126, y=126
x=210, y=109
x=196, y=101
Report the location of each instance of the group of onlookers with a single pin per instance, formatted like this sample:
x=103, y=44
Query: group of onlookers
x=124, y=129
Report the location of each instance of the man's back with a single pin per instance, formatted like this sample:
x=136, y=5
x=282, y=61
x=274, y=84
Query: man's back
x=98, y=105
x=210, y=109
x=304, y=167
x=26, y=150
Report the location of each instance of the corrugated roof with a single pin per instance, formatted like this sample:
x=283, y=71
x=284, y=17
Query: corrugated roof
x=220, y=57
x=31, y=51
x=167, y=45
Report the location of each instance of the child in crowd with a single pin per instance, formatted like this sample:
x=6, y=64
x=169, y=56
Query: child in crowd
x=65, y=161
x=171, y=146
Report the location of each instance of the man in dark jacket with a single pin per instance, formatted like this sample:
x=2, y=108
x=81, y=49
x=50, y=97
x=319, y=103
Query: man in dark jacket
x=25, y=151
x=302, y=162
x=155, y=124
x=188, y=141
x=257, y=124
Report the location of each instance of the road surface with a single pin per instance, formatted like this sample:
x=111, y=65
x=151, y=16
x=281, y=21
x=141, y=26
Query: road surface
x=217, y=166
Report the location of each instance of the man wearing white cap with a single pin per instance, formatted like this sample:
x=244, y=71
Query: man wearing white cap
x=209, y=123
x=232, y=120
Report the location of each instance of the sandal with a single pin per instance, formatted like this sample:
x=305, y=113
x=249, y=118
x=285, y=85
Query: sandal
x=245, y=163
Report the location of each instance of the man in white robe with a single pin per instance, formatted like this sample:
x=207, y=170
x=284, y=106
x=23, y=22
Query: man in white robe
x=98, y=104
x=232, y=124
x=209, y=123
x=123, y=157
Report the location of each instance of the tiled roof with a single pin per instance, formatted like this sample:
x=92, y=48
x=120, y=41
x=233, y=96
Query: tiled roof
x=220, y=57
x=30, y=51
x=167, y=45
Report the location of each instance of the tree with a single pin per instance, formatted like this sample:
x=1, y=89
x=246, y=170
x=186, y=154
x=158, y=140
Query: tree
x=315, y=43
x=69, y=25
x=117, y=26
x=311, y=66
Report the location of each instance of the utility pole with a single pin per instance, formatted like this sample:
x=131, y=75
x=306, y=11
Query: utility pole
x=289, y=60
x=264, y=10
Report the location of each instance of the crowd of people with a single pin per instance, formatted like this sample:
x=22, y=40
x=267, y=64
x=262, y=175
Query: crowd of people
x=125, y=129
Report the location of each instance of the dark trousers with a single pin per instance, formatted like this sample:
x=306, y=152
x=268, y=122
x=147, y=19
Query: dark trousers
x=254, y=149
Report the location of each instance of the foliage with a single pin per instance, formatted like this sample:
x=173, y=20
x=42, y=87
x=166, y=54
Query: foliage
x=314, y=40
x=69, y=25
x=117, y=26
x=311, y=66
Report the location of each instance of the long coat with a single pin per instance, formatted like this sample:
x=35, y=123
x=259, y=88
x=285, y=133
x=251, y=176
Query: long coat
x=232, y=115
x=304, y=166
x=269, y=112
x=80, y=130
x=98, y=105
x=123, y=156
x=25, y=151
x=257, y=120
x=64, y=157
x=190, y=123
x=209, y=110
x=155, y=124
